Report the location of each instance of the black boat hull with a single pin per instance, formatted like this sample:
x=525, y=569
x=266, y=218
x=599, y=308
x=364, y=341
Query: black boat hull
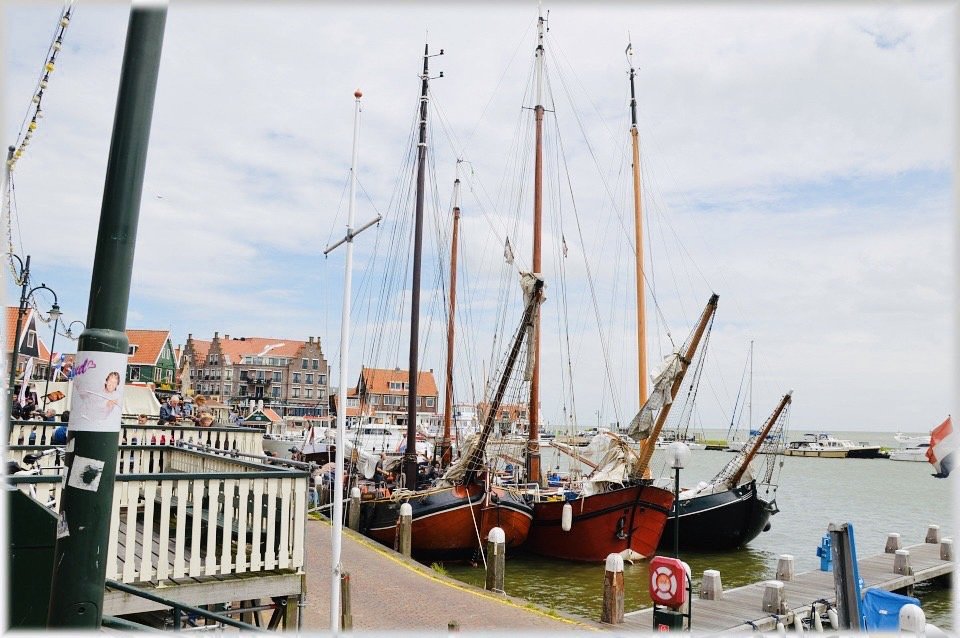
x=722, y=521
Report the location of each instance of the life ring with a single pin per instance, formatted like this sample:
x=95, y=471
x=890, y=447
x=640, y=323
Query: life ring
x=663, y=583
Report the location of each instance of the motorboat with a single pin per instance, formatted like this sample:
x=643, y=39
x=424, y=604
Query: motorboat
x=825, y=445
x=912, y=448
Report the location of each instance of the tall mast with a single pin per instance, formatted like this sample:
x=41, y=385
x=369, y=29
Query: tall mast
x=410, y=455
x=533, y=440
x=342, y=391
x=638, y=235
x=448, y=401
x=750, y=394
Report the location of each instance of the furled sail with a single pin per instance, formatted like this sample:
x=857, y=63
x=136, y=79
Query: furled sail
x=642, y=424
x=528, y=282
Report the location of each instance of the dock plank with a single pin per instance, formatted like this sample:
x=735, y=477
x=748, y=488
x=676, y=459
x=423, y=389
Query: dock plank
x=741, y=606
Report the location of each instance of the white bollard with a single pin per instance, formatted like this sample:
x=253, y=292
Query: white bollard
x=711, y=588
x=353, y=509
x=798, y=623
x=785, y=569
x=901, y=562
x=933, y=534
x=774, y=600
x=817, y=622
x=406, y=528
x=912, y=619
x=613, y=592
x=893, y=543
x=946, y=549
x=496, y=559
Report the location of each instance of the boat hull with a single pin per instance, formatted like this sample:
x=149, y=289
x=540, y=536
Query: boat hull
x=916, y=455
x=631, y=517
x=825, y=454
x=448, y=522
x=726, y=520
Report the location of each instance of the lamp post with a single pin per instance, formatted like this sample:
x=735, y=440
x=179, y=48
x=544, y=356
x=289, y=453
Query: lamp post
x=677, y=454
x=24, y=278
x=53, y=343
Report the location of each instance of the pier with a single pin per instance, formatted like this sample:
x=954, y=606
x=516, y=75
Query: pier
x=741, y=610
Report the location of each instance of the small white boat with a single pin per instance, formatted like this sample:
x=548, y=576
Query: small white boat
x=824, y=445
x=912, y=448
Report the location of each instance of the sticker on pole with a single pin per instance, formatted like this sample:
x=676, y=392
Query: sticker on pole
x=97, y=400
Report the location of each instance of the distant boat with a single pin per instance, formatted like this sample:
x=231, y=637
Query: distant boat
x=826, y=446
x=912, y=448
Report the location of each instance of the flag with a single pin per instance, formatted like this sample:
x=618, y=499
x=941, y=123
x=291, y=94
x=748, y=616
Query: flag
x=27, y=371
x=56, y=369
x=943, y=441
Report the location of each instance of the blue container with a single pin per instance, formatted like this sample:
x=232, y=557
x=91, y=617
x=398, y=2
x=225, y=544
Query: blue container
x=824, y=553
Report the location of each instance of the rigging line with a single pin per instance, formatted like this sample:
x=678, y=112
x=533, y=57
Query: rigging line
x=593, y=292
x=336, y=218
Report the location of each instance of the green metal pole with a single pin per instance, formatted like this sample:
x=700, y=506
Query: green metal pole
x=77, y=586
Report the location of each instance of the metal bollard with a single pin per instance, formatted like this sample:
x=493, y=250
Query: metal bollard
x=613, y=592
x=405, y=523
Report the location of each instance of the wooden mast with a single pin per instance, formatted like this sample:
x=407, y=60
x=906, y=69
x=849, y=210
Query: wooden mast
x=533, y=439
x=784, y=402
x=445, y=452
x=638, y=235
x=410, y=454
x=648, y=445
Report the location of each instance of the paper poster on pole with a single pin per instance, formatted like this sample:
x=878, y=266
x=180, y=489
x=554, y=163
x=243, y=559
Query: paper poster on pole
x=97, y=400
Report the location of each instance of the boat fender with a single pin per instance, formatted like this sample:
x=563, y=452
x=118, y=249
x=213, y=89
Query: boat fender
x=781, y=630
x=815, y=616
x=834, y=618
x=566, y=518
x=798, y=623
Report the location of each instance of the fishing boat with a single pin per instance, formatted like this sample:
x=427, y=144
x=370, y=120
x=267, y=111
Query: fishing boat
x=452, y=516
x=912, y=448
x=823, y=445
x=728, y=511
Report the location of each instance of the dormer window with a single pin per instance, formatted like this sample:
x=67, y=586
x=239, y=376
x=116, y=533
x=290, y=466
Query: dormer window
x=132, y=349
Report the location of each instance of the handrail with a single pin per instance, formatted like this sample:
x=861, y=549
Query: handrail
x=179, y=608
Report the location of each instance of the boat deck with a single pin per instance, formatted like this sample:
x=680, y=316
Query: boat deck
x=740, y=610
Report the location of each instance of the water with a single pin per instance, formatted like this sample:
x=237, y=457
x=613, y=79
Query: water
x=877, y=496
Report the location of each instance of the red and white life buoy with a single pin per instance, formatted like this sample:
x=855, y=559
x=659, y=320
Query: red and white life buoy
x=667, y=581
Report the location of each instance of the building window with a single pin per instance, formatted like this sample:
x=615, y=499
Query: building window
x=132, y=349
x=168, y=376
x=316, y=364
x=295, y=393
x=156, y=374
x=244, y=375
x=374, y=399
x=296, y=377
x=430, y=401
x=228, y=389
x=321, y=394
x=277, y=376
x=242, y=390
x=134, y=373
x=322, y=379
x=275, y=392
x=303, y=364
x=309, y=393
x=228, y=374
x=309, y=378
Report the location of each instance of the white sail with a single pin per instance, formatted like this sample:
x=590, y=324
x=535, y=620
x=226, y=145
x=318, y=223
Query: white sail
x=642, y=424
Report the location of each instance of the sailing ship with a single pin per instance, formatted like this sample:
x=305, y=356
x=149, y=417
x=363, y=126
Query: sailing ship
x=452, y=516
x=728, y=512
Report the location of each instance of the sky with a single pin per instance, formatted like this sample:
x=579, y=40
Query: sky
x=797, y=160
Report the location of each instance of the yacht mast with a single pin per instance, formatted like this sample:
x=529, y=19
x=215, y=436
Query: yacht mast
x=638, y=233
x=445, y=452
x=533, y=440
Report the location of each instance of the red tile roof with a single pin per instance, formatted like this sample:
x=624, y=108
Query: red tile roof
x=149, y=345
x=235, y=349
x=11, y=325
x=272, y=415
x=200, y=350
x=378, y=381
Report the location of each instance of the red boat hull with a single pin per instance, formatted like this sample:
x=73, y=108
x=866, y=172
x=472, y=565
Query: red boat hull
x=446, y=521
x=631, y=517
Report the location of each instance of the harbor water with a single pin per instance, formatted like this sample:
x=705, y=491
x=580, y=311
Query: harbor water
x=877, y=496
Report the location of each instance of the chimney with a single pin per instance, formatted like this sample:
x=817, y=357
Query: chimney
x=216, y=335
x=189, y=336
x=310, y=339
x=226, y=337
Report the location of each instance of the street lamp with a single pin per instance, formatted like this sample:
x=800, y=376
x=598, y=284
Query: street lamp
x=55, y=314
x=677, y=454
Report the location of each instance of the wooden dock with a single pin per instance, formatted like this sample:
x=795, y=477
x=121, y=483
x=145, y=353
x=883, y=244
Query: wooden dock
x=740, y=610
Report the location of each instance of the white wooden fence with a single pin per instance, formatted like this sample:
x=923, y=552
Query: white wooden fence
x=204, y=515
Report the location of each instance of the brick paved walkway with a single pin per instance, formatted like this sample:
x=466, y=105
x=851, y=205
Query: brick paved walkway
x=389, y=591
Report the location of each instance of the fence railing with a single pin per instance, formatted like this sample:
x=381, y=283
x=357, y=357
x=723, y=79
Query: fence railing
x=199, y=515
x=222, y=437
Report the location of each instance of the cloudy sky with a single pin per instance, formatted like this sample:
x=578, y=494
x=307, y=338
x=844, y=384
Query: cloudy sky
x=796, y=160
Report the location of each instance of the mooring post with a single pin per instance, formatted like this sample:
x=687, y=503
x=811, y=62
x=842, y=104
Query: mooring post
x=613, y=592
x=711, y=588
x=893, y=543
x=453, y=627
x=77, y=583
x=406, y=524
x=933, y=534
x=901, y=562
x=496, y=559
x=774, y=600
x=346, y=616
x=353, y=512
x=946, y=549
x=785, y=570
